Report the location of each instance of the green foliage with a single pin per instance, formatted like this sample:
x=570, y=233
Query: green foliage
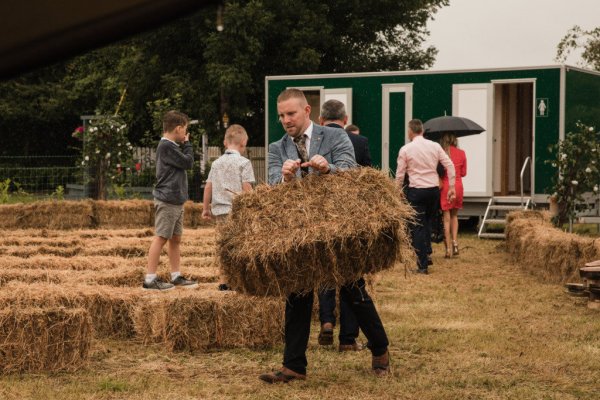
x=119, y=191
x=579, y=39
x=577, y=159
x=4, y=191
x=59, y=193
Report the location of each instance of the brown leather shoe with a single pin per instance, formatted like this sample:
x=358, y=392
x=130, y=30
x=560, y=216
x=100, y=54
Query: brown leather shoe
x=381, y=364
x=350, y=347
x=326, y=334
x=284, y=375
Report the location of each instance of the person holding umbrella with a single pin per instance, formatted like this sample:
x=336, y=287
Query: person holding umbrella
x=450, y=207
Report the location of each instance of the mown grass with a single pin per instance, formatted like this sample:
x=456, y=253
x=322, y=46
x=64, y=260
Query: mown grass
x=477, y=327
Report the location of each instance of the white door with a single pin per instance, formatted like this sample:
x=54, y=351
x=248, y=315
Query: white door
x=396, y=111
x=475, y=101
x=341, y=94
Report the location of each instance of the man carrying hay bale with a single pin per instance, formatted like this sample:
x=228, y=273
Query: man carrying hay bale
x=305, y=149
x=170, y=193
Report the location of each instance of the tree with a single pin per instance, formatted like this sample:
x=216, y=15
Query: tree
x=578, y=39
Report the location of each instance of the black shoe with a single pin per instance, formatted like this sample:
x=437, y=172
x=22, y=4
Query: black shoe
x=422, y=271
x=223, y=287
x=158, y=284
x=180, y=281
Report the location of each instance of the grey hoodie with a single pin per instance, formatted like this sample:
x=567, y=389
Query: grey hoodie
x=171, y=179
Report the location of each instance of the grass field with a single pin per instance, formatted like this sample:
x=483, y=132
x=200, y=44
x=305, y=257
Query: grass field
x=477, y=327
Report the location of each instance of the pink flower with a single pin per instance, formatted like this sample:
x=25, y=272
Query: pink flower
x=78, y=132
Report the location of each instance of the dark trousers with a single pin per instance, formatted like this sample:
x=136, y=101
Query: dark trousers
x=424, y=202
x=298, y=310
x=348, y=323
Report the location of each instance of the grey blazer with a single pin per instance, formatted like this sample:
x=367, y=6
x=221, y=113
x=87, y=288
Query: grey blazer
x=333, y=144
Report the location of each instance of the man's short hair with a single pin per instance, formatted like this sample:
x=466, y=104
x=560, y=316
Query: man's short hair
x=235, y=134
x=352, y=128
x=416, y=126
x=333, y=110
x=172, y=119
x=292, y=94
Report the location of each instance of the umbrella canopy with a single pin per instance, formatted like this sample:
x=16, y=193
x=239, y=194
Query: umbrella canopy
x=436, y=127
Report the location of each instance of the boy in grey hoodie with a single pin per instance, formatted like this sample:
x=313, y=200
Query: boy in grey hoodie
x=170, y=193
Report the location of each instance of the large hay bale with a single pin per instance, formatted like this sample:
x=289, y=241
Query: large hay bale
x=549, y=253
x=47, y=214
x=77, y=263
x=48, y=339
x=110, y=308
x=317, y=232
x=206, y=318
x=124, y=213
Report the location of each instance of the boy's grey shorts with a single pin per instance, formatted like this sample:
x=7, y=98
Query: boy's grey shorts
x=168, y=220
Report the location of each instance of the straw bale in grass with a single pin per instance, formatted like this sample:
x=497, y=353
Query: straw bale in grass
x=110, y=308
x=77, y=263
x=44, y=339
x=548, y=252
x=31, y=276
x=317, y=232
x=47, y=214
x=124, y=213
x=203, y=319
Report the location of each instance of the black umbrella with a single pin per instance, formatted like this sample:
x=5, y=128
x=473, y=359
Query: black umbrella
x=436, y=127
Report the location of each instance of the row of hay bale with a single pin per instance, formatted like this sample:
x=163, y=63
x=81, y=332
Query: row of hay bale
x=49, y=327
x=89, y=214
x=553, y=255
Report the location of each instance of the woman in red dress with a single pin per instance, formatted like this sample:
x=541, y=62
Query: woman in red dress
x=450, y=208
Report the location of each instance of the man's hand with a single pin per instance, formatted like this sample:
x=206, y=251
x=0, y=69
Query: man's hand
x=289, y=169
x=318, y=163
x=451, y=194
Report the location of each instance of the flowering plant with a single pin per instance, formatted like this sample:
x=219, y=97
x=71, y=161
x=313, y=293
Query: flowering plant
x=78, y=133
x=106, y=150
x=577, y=159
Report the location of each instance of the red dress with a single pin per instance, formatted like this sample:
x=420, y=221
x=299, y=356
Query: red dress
x=459, y=159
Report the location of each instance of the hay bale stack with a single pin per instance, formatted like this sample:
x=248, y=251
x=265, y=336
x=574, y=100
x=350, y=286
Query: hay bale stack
x=110, y=308
x=318, y=232
x=205, y=318
x=31, y=276
x=77, y=263
x=124, y=213
x=47, y=214
x=49, y=339
x=553, y=255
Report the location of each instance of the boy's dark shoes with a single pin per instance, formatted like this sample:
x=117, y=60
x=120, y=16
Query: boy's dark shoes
x=326, y=335
x=223, y=287
x=284, y=375
x=158, y=284
x=381, y=364
x=180, y=281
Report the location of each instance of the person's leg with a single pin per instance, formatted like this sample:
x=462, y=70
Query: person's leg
x=432, y=199
x=174, y=251
x=154, y=254
x=358, y=300
x=454, y=227
x=326, y=316
x=348, y=325
x=298, y=310
x=418, y=228
x=447, y=237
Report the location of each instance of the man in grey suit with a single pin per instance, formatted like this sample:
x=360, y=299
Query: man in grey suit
x=308, y=148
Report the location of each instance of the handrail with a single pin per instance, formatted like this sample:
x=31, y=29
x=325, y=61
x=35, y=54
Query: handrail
x=528, y=159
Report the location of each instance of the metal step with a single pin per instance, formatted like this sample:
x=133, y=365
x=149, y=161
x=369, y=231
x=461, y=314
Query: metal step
x=496, y=221
x=505, y=207
x=511, y=199
x=492, y=235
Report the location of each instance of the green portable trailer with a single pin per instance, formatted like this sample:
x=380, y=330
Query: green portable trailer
x=524, y=110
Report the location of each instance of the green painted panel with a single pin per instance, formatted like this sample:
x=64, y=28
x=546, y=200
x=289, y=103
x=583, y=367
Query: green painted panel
x=397, y=127
x=582, y=100
x=432, y=97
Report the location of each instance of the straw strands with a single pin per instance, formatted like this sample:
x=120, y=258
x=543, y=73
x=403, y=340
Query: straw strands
x=44, y=339
x=549, y=253
x=203, y=319
x=317, y=232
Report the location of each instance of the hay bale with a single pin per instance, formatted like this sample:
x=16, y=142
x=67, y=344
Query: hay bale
x=549, y=253
x=77, y=263
x=110, y=308
x=317, y=232
x=204, y=319
x=31, y=276
x=47, y=214
x=48, y=339
x=124, y=213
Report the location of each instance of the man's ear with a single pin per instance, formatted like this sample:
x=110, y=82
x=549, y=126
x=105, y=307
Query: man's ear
x=321, y=120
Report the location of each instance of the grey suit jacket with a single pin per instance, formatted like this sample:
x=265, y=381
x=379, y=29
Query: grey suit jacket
x=333, y=144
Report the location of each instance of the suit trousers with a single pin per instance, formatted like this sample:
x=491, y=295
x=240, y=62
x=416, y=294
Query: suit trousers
x=348, y=323
x=424, y=202
x=298, y=310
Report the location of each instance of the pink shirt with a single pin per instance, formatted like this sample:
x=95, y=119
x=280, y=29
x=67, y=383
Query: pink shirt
x=419, y=159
